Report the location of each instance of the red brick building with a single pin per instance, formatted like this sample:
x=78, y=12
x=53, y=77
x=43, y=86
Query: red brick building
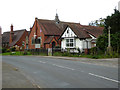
x=15, y=38
x=44, y=34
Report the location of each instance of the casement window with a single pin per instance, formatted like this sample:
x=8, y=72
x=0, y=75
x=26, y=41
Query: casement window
x=69, y=43
x=33, y=40
x=36, y=41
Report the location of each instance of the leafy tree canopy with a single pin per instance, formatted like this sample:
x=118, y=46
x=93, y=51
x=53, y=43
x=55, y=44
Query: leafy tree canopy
x=98, y=23
x=114, y=22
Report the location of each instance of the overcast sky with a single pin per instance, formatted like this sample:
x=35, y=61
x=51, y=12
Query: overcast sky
x=22, y=13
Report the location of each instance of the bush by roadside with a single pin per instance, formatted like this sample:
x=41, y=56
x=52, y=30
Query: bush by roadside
x=94, y=56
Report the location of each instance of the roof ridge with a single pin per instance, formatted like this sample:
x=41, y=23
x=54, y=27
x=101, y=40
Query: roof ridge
x=15, y=30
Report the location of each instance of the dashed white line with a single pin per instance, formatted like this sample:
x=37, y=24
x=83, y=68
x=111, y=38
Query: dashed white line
x=104, y=77
x=63, y=67
x=84, y=71
x=42, y=62
x=35, y=72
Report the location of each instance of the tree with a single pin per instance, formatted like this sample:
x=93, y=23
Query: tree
x=114, y=22
x=102, y=42
x=99, y=23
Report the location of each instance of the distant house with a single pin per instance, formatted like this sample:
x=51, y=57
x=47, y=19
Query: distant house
x=15, y=38
x=76, y=36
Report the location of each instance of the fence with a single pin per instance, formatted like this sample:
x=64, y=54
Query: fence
x=38, y=51
x=46, y=52
x=55, y=50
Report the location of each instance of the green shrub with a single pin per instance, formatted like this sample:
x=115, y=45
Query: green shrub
x=65, y=54
x=12, y=49
x=4, y=50
x=93, y=51
x=57, y=46
x=8, y=50
x=95, y=57
x=57, y=54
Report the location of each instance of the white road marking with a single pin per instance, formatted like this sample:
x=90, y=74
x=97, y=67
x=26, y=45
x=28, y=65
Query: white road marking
x=35, y=72
x=42, y=62
x=104, y=77
x=38, y=86
x=82, y=71
x=62, y=66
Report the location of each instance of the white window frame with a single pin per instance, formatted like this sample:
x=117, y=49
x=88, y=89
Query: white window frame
x=70, y=43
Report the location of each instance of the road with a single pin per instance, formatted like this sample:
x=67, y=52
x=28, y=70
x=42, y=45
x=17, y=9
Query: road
x=59, y=73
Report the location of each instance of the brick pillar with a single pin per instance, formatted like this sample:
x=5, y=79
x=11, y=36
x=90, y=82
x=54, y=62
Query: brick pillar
x=86, y=51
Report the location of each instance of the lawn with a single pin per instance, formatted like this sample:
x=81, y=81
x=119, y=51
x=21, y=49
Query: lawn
x=18, y=53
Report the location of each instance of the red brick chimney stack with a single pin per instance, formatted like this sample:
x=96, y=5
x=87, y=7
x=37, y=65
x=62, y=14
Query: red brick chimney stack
x=11, y=28
x=30, y=29
x=11, y=34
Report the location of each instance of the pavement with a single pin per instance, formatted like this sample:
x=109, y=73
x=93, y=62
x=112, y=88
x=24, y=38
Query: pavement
x=59, y=72
x=13, y=78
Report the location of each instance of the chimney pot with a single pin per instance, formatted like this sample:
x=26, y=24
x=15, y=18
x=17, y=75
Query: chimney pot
x=36, y=18
x=11, y=28
x=30, y=29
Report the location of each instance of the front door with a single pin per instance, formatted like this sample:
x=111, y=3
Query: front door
x=53, y=44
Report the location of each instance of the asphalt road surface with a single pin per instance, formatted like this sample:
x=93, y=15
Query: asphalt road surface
x=59, y=73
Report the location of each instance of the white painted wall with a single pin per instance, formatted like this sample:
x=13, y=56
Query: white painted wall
x=63, y=43
x=81, y=44
x=70, y=34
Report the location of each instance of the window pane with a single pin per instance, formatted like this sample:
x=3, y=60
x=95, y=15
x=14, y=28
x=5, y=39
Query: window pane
x=71, y=40
x=71, y=44
x=67, y=40
x=67, y=44
x=39, y=41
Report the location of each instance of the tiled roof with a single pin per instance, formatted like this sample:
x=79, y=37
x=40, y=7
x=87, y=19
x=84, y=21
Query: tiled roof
x=78, y=30
x=5, y=37
x=48, y=40
x=50, y=27
x=16, y=37
x=93, y=30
